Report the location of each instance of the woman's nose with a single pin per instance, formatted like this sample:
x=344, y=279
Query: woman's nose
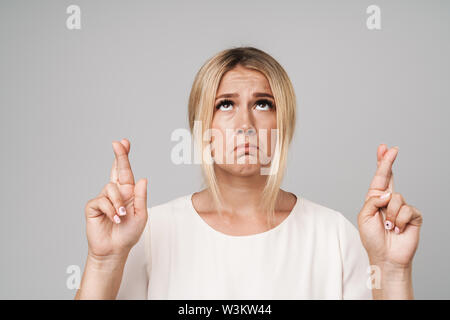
x=246, y=130
x=244, y=123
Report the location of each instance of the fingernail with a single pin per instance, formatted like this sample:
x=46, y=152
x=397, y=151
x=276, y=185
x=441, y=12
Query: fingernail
x=122, y=211
x=116, y=219
x=385, y=196
x=388, y=225
x=397, y=230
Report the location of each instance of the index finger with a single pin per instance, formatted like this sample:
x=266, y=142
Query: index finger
x=124, y=173
x=383, y=176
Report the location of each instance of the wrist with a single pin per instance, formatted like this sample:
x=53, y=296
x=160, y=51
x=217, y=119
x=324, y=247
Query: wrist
x=107, y=263
x=393, y=271
x=395, y=281
x=102, y=276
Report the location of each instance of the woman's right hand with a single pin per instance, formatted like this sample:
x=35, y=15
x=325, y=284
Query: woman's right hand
x=116, y=218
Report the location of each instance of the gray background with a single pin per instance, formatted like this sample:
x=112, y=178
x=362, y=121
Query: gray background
x=65, y=95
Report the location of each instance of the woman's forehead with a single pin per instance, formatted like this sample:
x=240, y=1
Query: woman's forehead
x=243, y=79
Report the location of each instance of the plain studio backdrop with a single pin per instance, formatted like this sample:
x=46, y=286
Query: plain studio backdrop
x=66, y=94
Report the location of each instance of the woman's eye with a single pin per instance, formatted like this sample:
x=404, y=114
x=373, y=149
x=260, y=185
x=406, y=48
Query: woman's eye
x=264, y=105
x=225, y=105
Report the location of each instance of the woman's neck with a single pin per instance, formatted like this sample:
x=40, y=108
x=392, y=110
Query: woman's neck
x=241, y=194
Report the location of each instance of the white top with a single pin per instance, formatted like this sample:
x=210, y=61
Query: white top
x=314, y=253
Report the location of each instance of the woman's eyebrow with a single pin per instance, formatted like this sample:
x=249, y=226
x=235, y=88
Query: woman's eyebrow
x=263, y=94
x=256, y=95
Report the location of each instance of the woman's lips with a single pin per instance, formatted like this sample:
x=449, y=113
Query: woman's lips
x=245, y=146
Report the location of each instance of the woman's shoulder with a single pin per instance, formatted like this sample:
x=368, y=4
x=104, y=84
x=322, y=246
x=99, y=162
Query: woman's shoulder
x=333, y=224
x=323, y=214
x=170, y=207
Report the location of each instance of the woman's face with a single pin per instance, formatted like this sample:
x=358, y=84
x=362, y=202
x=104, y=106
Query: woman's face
x=244, y=112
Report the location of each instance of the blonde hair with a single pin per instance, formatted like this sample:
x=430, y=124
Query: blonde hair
x=200, y=111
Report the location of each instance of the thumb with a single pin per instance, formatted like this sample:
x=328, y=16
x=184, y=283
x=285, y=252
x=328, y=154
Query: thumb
x=373, y=204
x=140, y=197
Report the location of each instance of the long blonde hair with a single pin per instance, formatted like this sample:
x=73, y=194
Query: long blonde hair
x=200, y=111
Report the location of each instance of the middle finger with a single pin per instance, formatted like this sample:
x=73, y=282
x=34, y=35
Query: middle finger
x=383, y=173
x=123, y=167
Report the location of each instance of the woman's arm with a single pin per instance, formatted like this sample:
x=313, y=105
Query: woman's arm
x=389, y=230
x=115, y=220
x=395, y=282
x=101, y=278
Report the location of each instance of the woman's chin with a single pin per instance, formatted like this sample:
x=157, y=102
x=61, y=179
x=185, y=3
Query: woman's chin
x=242, y=169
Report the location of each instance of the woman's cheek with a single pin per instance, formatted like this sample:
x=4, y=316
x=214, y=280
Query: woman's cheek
x=264, y=142
x=218, y=145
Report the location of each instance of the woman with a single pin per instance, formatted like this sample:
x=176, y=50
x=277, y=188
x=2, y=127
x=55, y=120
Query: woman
x=242, y=237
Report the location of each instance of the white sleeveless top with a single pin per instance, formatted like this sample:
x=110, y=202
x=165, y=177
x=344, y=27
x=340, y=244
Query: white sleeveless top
x=314, y=253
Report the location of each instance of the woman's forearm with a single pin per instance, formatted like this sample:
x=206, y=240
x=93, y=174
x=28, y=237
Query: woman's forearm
x=101, y=278
x=395, y=283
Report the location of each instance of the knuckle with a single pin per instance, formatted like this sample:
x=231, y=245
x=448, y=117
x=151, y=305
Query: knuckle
x=408, y=210
x=114, y=189
x=402, y=219
x=371, y=202
x=104, y=201
x=399, y=222
x=89, y=204
x=103, y=191
x=417, y=211
x=109, y=187
x=113, y=194
x=110, y=197
x=397, y=196
x=393, y=208
x=391, y=214
x=92, y=202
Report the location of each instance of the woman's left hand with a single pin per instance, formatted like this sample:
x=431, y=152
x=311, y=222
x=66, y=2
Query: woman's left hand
x=392, y=239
